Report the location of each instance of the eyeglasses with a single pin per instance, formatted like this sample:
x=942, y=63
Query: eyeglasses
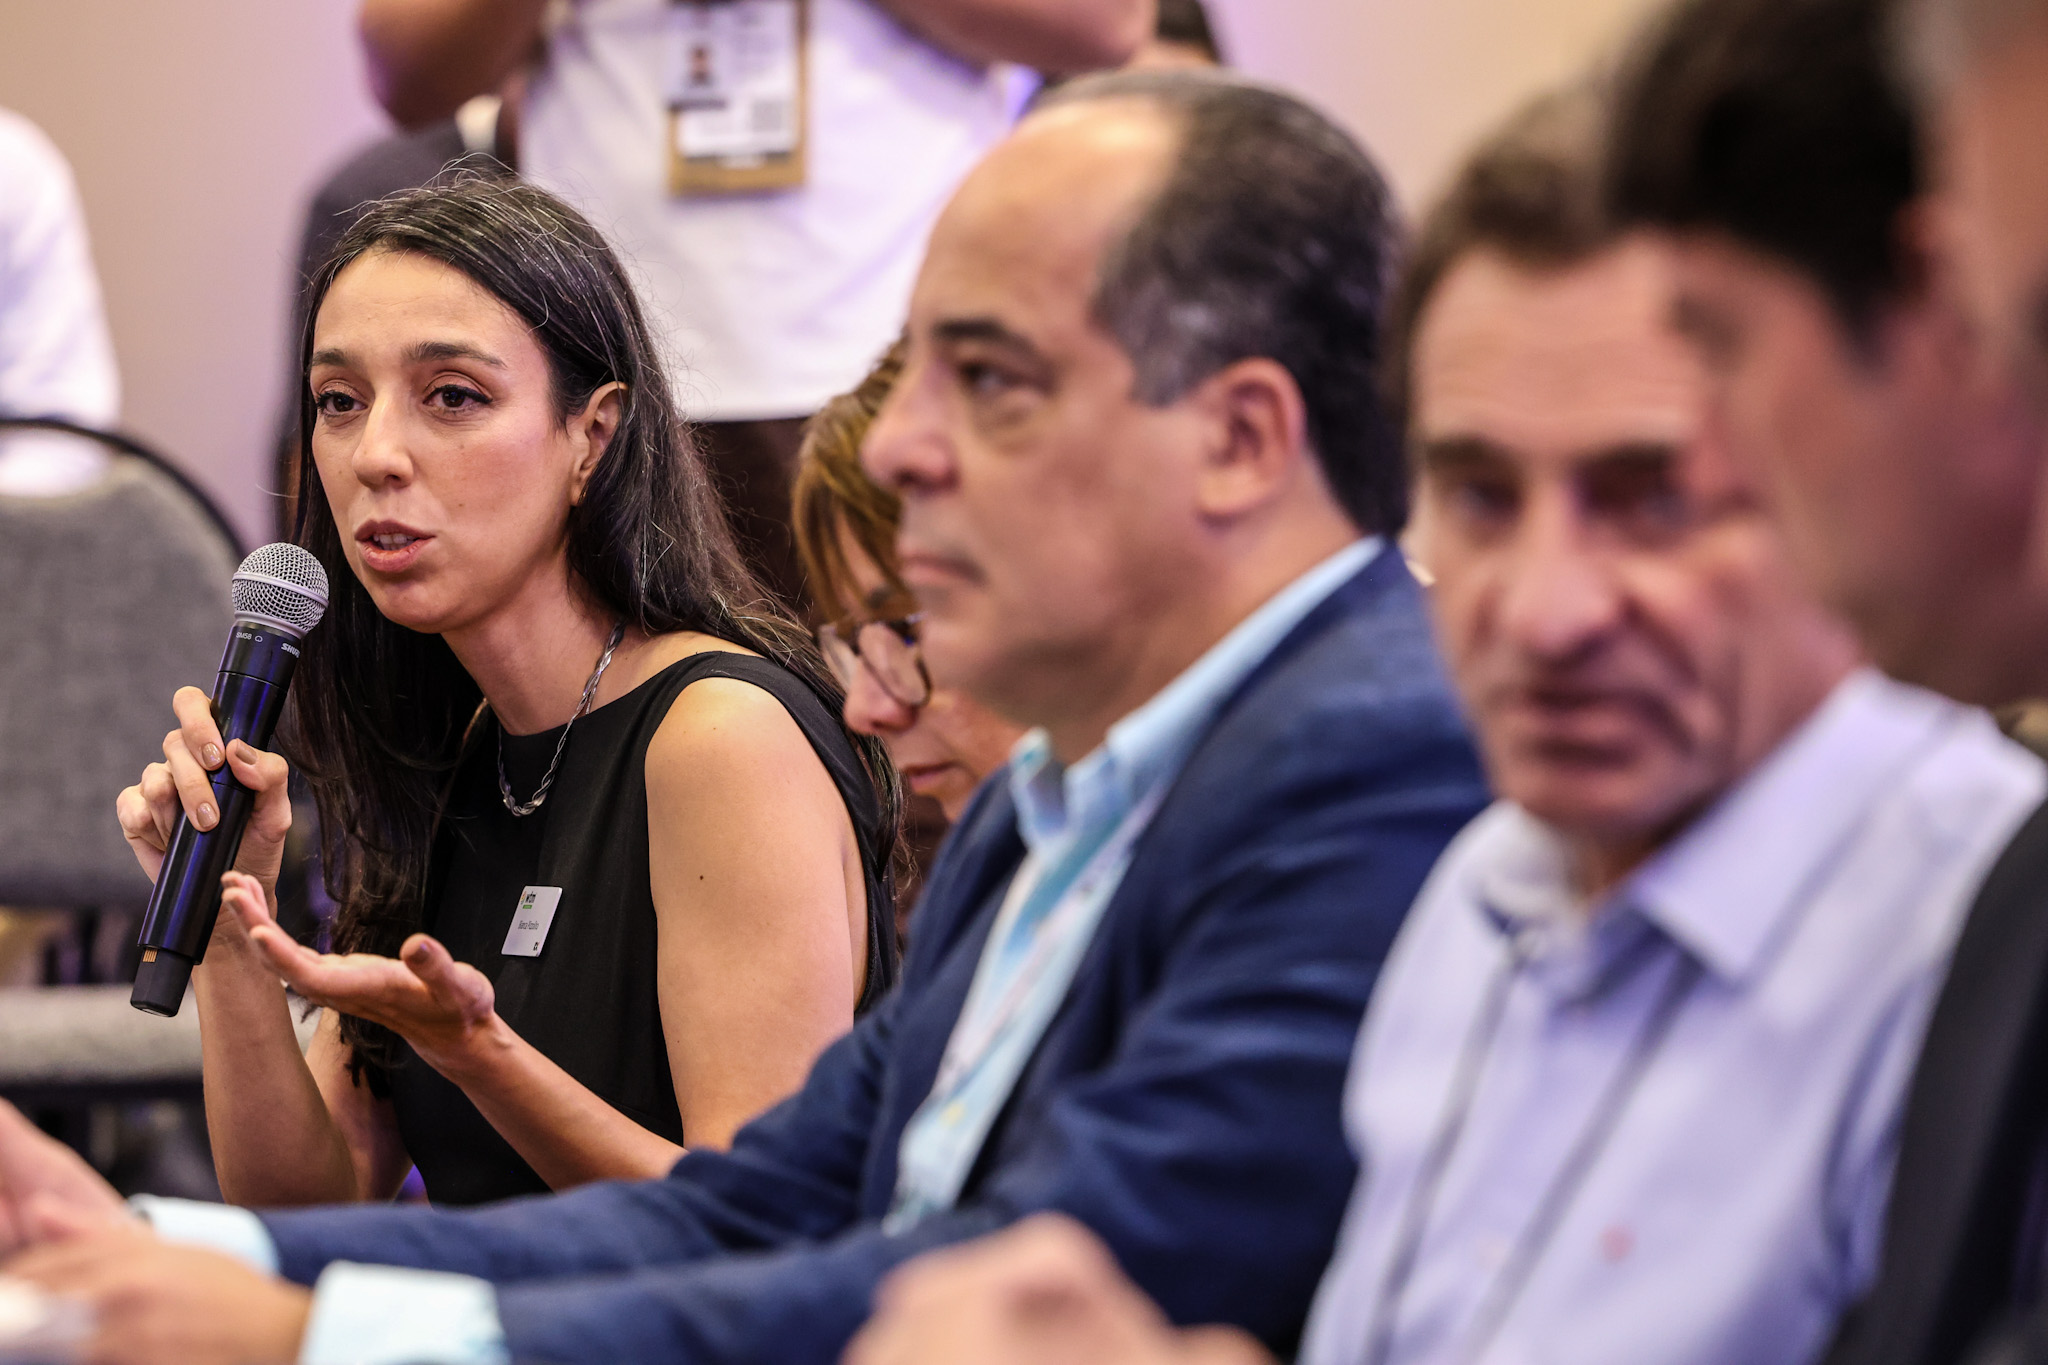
x=888, y=649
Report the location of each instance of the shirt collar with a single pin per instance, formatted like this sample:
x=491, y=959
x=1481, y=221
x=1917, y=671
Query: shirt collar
x=1735, y=880
x=1144, y=749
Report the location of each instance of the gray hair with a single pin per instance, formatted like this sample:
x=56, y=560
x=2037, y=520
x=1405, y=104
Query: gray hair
x=1273, y=237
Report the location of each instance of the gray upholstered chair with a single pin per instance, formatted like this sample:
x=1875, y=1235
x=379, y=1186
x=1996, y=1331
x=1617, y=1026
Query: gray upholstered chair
x=110, y=599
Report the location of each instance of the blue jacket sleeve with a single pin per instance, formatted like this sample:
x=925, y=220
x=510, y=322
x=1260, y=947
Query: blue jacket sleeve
x=792, y=1175
x=1208, y=1152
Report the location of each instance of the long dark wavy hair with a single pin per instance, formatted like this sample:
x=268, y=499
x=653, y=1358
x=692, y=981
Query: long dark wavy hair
x=381, y=715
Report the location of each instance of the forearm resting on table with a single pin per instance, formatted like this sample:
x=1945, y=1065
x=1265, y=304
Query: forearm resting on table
x=1059, y=37
x=427, y=56
x=558, y=1125
x=275, y=1142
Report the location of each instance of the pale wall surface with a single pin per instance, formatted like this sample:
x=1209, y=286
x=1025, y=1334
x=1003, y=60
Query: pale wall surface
x=1417, y=80
x=197, y=128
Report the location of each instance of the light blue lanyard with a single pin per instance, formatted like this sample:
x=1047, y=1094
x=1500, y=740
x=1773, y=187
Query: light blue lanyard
x=1022, y=982
x=995, y=1000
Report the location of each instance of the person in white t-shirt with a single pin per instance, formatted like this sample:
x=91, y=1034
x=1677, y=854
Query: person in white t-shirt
x=772, y=299
x=55, y=357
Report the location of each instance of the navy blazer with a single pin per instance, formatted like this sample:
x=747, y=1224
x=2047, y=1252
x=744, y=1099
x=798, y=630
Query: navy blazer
x=1184, y=1102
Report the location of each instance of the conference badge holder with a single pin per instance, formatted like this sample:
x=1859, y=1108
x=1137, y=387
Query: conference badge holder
x=737, y=80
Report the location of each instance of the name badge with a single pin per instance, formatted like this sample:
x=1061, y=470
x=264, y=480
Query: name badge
x=737, y=80
x=531, y=920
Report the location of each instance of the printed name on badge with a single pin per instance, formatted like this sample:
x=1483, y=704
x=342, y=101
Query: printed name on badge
x=531, y=920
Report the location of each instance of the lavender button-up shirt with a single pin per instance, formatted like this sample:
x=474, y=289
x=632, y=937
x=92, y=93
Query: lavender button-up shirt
x=1659, y=1130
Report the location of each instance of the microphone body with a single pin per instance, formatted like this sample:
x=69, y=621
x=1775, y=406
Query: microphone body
x=248, y=697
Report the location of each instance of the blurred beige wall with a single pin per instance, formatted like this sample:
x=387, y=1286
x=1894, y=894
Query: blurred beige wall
x=198, y=127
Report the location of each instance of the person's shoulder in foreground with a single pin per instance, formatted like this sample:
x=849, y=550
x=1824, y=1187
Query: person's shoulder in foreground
x=56, y=357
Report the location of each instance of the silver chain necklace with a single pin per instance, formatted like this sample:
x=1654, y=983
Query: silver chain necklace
x=589, y=691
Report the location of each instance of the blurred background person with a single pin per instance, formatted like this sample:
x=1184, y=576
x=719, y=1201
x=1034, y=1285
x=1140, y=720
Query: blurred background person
x=1720, y=839
x=55, y=356
x=774, y=219
x=942, y=741
x=501, y=492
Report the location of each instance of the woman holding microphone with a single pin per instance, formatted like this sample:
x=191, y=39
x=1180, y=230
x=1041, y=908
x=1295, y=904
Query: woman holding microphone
x=610, y=870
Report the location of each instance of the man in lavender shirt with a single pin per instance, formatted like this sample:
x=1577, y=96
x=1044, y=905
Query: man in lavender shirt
x=1627, y=1090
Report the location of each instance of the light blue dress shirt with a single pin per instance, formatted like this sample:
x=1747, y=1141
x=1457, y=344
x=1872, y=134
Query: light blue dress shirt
x=1660, y=1130
x=1079, y=824
x=362, y=1314
x=371, y=1315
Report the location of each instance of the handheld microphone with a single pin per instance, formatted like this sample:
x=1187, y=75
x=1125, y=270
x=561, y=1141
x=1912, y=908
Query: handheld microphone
x=279, y=593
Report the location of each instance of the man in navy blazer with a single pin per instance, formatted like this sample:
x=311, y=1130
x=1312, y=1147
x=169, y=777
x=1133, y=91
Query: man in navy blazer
x=1149, y=493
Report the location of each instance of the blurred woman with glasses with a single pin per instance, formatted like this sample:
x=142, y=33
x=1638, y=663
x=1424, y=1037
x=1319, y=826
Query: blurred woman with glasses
x=942, y=743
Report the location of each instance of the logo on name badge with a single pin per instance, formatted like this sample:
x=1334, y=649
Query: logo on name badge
x=531, y=919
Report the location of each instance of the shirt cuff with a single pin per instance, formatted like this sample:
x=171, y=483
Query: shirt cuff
x=217, y=1227
x=381, y=1315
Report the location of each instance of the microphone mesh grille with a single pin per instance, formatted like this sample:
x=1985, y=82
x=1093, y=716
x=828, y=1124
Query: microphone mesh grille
x=283, y=582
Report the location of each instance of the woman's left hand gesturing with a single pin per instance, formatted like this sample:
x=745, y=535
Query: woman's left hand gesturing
x=444, y=1008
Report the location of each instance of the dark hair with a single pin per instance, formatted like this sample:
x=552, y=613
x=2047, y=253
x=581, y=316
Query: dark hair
x=382, y=715
x=1532, y=192
x=1272, y=237
x=1186, y=22
x=1777, y=123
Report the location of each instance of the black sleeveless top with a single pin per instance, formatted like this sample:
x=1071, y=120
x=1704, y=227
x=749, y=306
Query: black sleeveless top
x=589, y=1001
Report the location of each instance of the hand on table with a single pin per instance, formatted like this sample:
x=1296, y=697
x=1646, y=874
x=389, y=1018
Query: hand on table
x=47, y=1191
x=158, y=1304
x=1045, y=1292
x=444, y=1008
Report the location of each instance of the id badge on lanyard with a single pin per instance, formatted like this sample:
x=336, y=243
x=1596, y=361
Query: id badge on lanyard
x=737, y=79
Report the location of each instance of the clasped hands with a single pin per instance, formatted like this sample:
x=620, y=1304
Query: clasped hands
x=65, y=1231
x=445, y=1009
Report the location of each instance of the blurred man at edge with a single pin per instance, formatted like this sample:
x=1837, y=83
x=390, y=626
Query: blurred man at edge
x=1771, y=140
